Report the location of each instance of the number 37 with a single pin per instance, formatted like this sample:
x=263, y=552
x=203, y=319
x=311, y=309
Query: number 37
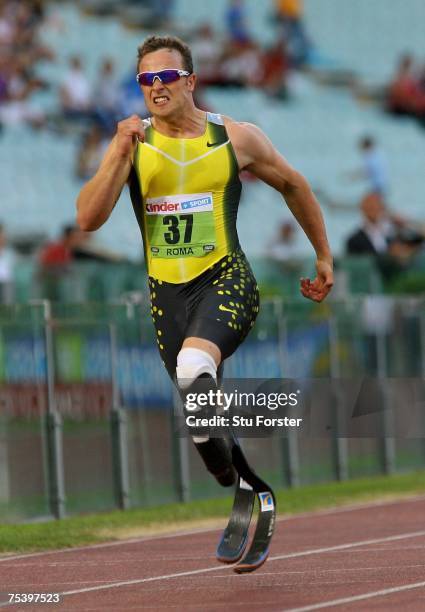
x=173, y=234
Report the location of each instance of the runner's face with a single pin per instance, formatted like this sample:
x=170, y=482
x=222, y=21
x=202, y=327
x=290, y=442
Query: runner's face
x=161, y=99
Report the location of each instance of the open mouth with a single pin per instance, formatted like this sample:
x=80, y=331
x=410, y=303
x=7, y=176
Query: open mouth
x=160, y=100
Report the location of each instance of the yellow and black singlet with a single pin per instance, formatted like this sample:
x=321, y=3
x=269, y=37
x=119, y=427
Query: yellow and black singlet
x=185, y=194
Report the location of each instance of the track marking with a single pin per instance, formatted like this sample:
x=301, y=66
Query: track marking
x=178, y=534
x=316, y=551
x=338, y=547
x=353, y=507
x=47, y=585
x=346, y=600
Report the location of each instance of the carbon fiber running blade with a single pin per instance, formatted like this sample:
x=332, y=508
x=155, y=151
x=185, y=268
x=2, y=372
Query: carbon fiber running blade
x=235, y=537
x=259, y=549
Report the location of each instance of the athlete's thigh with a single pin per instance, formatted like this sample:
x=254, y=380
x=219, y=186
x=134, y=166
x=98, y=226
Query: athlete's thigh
x=228, y=307
x=169, y=315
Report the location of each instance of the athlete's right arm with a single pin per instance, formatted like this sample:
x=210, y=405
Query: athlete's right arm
x=99, y=195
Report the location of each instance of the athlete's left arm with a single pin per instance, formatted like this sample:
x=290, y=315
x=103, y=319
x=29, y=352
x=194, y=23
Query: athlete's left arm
x=256, y=153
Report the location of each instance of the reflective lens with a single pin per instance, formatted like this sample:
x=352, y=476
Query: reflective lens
x=165, y=76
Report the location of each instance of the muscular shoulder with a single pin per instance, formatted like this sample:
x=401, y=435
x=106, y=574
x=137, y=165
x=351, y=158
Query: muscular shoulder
x=242, y=132
x=249, y=142
x=256, y=153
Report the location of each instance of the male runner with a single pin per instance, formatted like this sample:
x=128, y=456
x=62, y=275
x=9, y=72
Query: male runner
x=183, y=167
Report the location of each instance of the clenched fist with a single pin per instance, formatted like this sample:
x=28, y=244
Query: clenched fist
x=129, y=132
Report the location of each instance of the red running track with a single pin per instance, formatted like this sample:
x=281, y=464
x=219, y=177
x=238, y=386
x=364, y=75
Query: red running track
x=369, y=557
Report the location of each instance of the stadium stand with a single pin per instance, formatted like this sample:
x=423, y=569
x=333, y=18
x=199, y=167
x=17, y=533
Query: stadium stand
x=317, y=130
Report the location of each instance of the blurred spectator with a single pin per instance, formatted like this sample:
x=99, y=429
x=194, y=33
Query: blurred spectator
x=403, y=89
x=20, y=50
x=106, y=97
x=38, y=11
x=384, y=235
x=375, y=165
x=236, y=25
x=289, y=14
x=275, y=71
x=374, y=169
x=73, y=245
x=7, y=28
x=16, y=87
x=55, y=261
x=420, y=100
x=242, y=66
x=75, y=92
x=58, y=255
x=19, y=30
x=284, y=247
x=207, y=53
x=373, y=236
x=7, y=264
x=90, y=153
x=228, y=64
x=238, y=64
x=87, y=251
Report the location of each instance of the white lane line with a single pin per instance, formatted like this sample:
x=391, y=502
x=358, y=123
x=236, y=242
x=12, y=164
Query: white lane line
x=115, y=585
x=353, y=507
x=315, y=551
x=301, y=515
x=177, y=534
x=347, y=600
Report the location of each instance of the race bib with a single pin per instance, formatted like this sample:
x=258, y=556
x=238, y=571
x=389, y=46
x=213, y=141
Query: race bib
x=181, y=225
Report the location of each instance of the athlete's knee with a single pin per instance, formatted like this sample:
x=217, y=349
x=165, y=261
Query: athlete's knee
x=197, y=372
x=193, y=363
x=196, y=375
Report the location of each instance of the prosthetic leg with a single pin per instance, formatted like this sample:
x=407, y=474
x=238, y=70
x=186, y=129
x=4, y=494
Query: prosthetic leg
x=196, y=372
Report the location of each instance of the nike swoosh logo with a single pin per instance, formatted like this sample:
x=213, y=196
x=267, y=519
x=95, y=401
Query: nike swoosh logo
x=221, y=307
x=212, y=144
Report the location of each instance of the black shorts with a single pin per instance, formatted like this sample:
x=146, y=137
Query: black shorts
x=220, y=305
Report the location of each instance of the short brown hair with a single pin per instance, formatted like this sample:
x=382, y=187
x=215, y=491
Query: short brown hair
x=155, y=43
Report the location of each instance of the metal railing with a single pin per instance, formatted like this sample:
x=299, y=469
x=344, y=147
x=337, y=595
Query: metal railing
x=98, y=282
x=86, y=408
